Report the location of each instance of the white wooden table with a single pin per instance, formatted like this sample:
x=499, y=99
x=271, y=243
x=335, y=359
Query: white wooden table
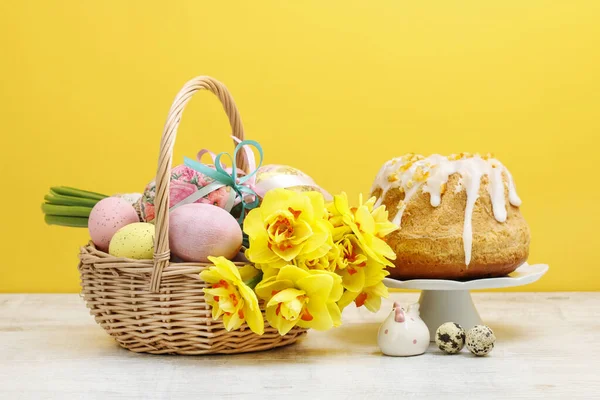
x=548, y=347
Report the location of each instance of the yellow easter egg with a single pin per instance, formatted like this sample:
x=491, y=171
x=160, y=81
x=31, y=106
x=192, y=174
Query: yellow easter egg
x=133, y=241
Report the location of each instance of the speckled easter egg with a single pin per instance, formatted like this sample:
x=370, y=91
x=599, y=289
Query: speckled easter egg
x=197, y=231
x=450, y=337
x=134, y=241
x=107, y=217
x=480, y=340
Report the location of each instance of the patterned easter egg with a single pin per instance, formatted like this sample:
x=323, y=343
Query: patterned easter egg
x=283, y=176
x=185, y=181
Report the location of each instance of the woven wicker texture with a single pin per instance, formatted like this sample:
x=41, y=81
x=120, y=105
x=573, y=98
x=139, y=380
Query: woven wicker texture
x=157, y=306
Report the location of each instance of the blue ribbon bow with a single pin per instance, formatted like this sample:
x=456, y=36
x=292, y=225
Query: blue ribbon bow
x=232, y=180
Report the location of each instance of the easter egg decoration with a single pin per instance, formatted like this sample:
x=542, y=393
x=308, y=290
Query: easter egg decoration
x=450, y=337
x=133, y=241
x=107, y=217
x=131, y=198
x=197, y=231
x=187, y=186
x=480, y=340
x=282, y=176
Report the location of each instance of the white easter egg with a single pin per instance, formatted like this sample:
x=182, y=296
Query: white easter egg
x=198, y=230
x=107, y=217
x=134, y=241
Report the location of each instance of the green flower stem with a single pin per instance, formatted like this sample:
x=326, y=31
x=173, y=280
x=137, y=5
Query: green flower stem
x=69, y=191
x=251, y=283
x=75, y=222
x=66, y=211
x=61, y=200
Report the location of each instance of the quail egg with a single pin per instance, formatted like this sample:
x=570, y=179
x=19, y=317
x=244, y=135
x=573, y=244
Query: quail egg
x=480, y=340
x=450, y=337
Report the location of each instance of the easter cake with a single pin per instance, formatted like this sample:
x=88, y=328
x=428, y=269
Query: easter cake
x=458, y=215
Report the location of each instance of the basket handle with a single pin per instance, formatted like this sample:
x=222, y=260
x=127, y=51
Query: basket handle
x=165, y=159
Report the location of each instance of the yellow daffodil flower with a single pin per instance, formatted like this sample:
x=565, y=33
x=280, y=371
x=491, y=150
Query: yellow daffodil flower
x=340, y=229
x=268, y=271
x=368, y=225
x=304, y=298
x=288, y=225
x=353, y=263
x=326, y=263
x=351, y=254
x=321, y=263
x=230, y=297
x=372, y=292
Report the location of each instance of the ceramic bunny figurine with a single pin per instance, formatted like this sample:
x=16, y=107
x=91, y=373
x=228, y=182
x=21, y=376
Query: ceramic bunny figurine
x=403, y=333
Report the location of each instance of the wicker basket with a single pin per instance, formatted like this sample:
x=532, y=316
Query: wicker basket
x=157, y=306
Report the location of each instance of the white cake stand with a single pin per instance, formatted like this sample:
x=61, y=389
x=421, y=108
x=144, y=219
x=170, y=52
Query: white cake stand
x=445, y=300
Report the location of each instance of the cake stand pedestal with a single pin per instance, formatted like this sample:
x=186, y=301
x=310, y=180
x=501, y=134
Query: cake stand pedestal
x=445, y=300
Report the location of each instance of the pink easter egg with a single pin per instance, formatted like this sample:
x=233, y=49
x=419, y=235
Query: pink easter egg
x=107, y=217
x=199, y=230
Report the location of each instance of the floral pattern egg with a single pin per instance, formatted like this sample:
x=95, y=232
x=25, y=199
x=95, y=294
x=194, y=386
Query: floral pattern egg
x=185, y=182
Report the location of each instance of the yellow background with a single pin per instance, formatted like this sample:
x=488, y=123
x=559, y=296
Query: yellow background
x=334, y=88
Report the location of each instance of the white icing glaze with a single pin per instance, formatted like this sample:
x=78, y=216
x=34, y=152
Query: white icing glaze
x=430, y=174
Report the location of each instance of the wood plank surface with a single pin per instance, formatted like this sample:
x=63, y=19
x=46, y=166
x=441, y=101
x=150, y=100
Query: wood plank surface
x=548, y=347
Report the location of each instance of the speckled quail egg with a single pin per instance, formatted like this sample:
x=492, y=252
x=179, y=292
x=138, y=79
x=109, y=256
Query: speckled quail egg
x=480, y=340
x=450, y=337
